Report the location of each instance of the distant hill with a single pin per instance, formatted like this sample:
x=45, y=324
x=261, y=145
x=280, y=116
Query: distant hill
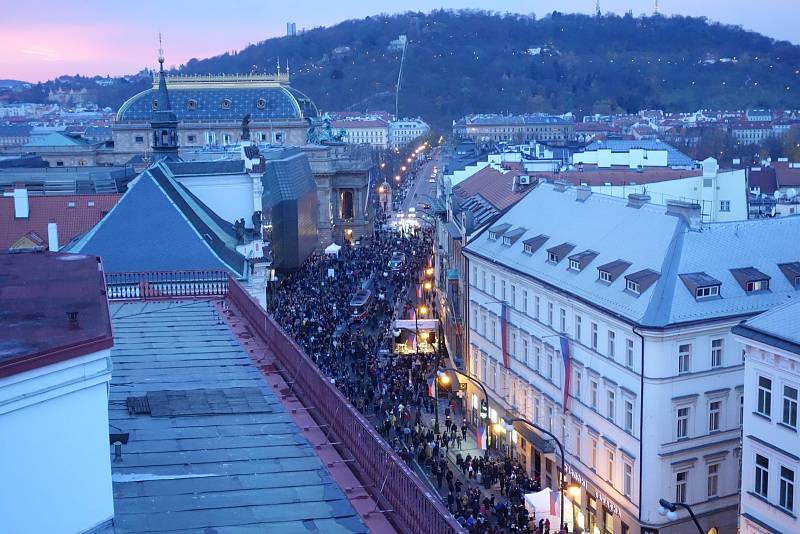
x=460, y=62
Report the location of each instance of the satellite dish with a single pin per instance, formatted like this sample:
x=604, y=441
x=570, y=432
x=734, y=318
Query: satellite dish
x=778, y=195
x=791, y=193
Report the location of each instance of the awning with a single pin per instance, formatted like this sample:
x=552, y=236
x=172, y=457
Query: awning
x=541, y=444
x=422, y=324
x=333, y=249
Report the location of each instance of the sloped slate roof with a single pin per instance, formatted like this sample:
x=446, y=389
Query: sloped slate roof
x=286, y=178
x=159, y=226
x=648, y=238
x=781, y=323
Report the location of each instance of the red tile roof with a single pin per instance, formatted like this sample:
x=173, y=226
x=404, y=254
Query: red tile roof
x=71, y=221
x=597, y=177
x=492, y=185
x=764, y=179
x=786, y=175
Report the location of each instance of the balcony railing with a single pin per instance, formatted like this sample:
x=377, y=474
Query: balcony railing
x=167, y=284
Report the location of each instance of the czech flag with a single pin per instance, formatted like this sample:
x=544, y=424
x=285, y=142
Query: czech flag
x=419, y=291
x=504, y=333
x=480, y=437
x=567, y=369
x=431, y=388
x=554, y=496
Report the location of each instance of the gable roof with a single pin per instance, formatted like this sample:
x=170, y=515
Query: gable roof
x=655, y=248
x=492, y=185
x=158, y=225
x=73, y=215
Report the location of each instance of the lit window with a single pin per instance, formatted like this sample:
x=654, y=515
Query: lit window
x=757, y=285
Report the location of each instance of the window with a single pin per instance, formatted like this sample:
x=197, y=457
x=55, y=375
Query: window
x=578, y=441
x=681, y=478
x=764, y=406
x=525, y=301
x=605, y=276
x=576, y=384
x=593, y=389
x=474, y=279
x=550, y=313
x=594, y=336
x=682, y=429
x=493, y=331
x=706, y=292
x=578, y=327
x=90, y=204
x=789, y=406
x=139, y=139
x=684, y=358
x=563, y=320
x=629, y=353
x=787, y=489
x=716, y=353
x=536, y=306
x=713, y=480
x=714, y=409
x=724, y=205
x=525, y=351
x=610, y=466
x=762, y=476
x=632, y=286
x=71, y=204
x=741, y=410
x=628, y=416
x=537, y=358
x=757, y=285
x=494, y=286
x=483, y=280
x=611, y=347
x=608, y=521
x=593, y=457
x=513, y=296
x=575, y=265
x=512, y=345
x=191, y=138
x=503, y=290
x=483, y=325
x=552, y=257
x=612, y=404
x=627, y=479
x=550, y=364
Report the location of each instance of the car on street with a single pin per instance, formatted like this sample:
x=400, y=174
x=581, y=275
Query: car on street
x=424, y=205
x=396, y=261
x=432, y=180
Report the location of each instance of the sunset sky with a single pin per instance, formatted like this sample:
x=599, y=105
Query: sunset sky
x=40, y=39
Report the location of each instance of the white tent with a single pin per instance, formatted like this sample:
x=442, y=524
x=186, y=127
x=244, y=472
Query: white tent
x=333, y=249
x=539, y=503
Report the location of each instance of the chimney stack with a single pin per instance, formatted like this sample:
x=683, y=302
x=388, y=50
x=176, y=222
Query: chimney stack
x=637, y=200
x=21, y=208
x=582, y=192
x=690, y=212
x=560, y=186
x=52, y=236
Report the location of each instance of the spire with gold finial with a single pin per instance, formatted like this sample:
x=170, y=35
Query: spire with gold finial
x=164, y=122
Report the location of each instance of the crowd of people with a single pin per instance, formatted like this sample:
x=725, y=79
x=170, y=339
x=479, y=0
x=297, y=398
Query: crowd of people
x=313, y=306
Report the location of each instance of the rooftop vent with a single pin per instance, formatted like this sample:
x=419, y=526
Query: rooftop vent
x=690, y=212
x=560, y=186
x=637, y=200
x=582, y=192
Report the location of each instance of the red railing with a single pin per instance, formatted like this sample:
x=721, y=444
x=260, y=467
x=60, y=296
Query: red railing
x=411, y=504
x=166, y=284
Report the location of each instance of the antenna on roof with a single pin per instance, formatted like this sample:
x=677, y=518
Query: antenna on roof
x=597, y=7
x=160, y=49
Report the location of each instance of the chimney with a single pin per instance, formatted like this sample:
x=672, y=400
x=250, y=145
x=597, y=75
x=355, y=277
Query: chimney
x=582, y=192
x=637, y=200
x=689, y=211
x=560, y=186
x=21, y=209
x=52, y=236
x=514, y=184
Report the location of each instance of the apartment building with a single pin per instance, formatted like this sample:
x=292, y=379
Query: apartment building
x=770, y=448
x=642, y=297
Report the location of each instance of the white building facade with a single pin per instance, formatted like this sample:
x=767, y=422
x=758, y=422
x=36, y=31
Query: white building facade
x=372, y=131
x=770, y=446
x=655, y=379
x=403, y=132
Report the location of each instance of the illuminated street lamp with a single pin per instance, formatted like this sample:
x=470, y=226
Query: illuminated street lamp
x=397, y=178
x=403, y=168
x=427, y=286
x=429, y=272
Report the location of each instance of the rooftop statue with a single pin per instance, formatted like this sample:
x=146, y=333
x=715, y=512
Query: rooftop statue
x=320, y=131
x=246, y=128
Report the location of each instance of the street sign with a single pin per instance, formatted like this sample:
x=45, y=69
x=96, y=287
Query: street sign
x=462, y=386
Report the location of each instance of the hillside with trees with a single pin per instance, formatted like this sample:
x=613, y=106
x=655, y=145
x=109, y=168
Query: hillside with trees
x=460, y=62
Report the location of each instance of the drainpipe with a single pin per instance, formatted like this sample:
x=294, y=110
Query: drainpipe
x=641, y=418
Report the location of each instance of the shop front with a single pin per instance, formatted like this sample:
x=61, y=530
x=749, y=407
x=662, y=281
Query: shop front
x=590, y=510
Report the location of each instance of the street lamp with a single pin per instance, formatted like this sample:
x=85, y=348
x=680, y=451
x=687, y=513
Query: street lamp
x=571, y=488
x=485, y=399
x=669, y=509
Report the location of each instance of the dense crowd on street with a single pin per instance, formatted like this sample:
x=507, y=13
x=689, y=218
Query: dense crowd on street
x=313, y=306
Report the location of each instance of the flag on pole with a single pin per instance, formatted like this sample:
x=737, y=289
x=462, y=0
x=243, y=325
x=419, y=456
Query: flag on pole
x=567, y=369
x=419, y=291
x=554, y=496
x=480, y=437
x=431, y=386
x=504, y=333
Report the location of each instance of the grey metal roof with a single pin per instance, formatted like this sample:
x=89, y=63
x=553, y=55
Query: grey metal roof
x=779, y=327
x=695, y=280
x=648, y=238
x=217, y=452
x=675, y=158
x=184, y=168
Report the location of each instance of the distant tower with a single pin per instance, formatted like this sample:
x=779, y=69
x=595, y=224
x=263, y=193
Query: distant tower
x=597, y=8
x=655, y=8
x=163, y=121
x=291, y=29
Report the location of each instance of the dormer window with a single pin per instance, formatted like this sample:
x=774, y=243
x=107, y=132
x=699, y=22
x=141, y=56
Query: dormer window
x=701, y=285
x=155, y=105
x=605, y=276
x=640, y=281
x=492, y=236
x=557, y=253
x=575, y=265
x=579, y=261
x=609, y=272
x=633, y=287
x=534, y=243
x=792, y=272
x=509, y=238
x=497, y=231
x=506, y=240
x=552, y=257
x=751, y=279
